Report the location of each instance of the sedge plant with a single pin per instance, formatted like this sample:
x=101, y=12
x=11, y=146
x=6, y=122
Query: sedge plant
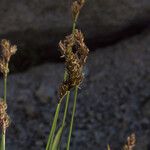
x=75, y=53
x=7, y=50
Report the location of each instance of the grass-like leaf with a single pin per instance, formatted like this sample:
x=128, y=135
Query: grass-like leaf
x=52, y=132
x=57, y=139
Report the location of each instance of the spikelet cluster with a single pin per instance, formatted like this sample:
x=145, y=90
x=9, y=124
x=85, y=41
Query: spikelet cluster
x=75, y=52
x=131, y=140
x=7, y=50
x=4, y=118
x=76, y=7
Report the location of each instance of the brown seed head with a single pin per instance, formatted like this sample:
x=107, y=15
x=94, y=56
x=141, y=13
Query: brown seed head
x=7, y=49
x=4, y=118
x=4, y=67
x=66, y=44
x=82, y=48
x=63, y=90
x=75, y=52
x=131, y=140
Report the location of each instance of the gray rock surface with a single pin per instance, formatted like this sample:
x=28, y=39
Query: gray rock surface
x=111, y=103
x=40, y=22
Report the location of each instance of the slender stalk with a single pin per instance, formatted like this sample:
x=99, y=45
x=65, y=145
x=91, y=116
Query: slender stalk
x=72, y=118
x=5, y=88
x=51, y=135
x=65, y=77
x=3, y=141
x=75, y=23
x=68, y=94
x=66, y=108
x=3, y=136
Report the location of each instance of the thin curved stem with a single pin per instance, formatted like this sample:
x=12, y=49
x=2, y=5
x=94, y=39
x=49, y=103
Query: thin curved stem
x=3, y=141
x=52, y=132
x=65, y=77
x=3, y=136
x=75, y=23
x=72, y=118
x=5, y=88
x=66, y=108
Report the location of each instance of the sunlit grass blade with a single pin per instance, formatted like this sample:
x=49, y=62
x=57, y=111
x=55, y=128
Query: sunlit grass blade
x=108, y=147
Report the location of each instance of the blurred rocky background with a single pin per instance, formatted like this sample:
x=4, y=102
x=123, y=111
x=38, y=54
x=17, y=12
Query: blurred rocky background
x=114, y=100
x=37, y=26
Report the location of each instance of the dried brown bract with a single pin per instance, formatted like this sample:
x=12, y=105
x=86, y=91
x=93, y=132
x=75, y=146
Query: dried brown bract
x=131, y=140
x=75, y=52
x=82, y=48
x=7, y=50
x=4, y=118
x=4, y=67
x=76, y=7
x=63, y=89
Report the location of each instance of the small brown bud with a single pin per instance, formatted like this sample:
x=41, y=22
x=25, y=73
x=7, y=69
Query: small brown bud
x=4, y=67
x=7, y=50
x=130, y=142
x=76, y=7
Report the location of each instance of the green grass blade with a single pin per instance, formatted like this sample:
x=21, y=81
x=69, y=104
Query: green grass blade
x=2, y=146
x=57, y=139
x=72, y=118
x=108, y=147
x=54, y=125
x=58, y=136
x=66, y=108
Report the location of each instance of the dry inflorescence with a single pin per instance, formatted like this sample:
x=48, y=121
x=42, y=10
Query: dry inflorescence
x=7, y=50
x=75, y=52
x=76, y=7
x=4, y=118
x=131, y=140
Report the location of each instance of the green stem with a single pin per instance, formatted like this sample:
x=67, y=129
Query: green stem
x=65, y=77
x=5, y=88
x=72, y=118
x=52, y=132
x=75, y=23
x=68, y=94
x=51, y=135
x=3, y=136
x=66, y=108
x=3, y=141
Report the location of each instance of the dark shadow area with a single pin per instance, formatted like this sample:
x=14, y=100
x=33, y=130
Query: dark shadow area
x=31, y=53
